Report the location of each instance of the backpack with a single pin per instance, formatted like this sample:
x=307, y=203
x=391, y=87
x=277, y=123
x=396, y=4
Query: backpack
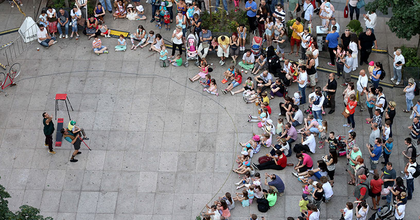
x=263, y=205
x=357, y=191
x=383, y=74
x=414, y=150
x=385, y=104
x=366, y=170
x=417, y=173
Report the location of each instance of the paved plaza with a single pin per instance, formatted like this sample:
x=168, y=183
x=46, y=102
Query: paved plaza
x=161, y=147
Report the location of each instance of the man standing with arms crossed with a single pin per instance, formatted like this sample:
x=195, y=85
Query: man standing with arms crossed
x=48, y=131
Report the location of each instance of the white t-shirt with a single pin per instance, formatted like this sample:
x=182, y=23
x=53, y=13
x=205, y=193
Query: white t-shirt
x=41, y=34
x=315, y=53
x=303, y=77
x=328, y=190
x=348, y=214
x=380, y=100
x=372, y=22
x=387, y=132
x=362, y=83
x=175, y=39
x=77, y=13
x=285, y=148
x=216, y=215
x=286, y=68
x=411, y=170
x=50, y=14
x=249, y=59
x=310, y=141
x=298, y=116
x=401, y=209
x=307, y=38
x=397, y=59
x=314, y=216
x=363, y=213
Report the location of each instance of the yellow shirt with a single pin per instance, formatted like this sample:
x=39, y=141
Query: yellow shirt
x=225, y=42
x=266, y=99
x=299, y=28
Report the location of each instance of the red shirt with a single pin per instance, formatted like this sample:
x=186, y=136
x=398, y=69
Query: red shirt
x=376, y=185
x=238, y=79
x=268, y=109
x=282, y=161
x=351, y=104
x=307, y=160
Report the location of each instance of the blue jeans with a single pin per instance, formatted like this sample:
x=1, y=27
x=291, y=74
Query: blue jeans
x=154, y=8
x=388, y=198
x=302, y=93
x=409, y=104
x=352, y=9
x=410, y=188
x=224, y=4
x=350, y=120
x=375, y=83
x=108, y=2
x=66, y=26
x=317, y=115
x=45, y=42
x=397, y=74
x=295, y=123
x=273, y=5
x=74, y=28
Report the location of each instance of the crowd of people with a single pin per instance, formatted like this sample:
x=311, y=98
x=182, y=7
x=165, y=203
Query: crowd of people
x=273, y=75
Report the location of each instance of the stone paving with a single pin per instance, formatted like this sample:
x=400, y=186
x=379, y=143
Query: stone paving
x=161, y=148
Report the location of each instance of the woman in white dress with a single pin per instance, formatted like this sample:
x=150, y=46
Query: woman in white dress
x=354, y=47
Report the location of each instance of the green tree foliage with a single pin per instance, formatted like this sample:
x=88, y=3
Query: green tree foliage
x=405, y=20
x=355, y=27
x=25, y=212
x=220, y=22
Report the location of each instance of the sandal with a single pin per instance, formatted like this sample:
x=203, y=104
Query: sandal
x=351, y=183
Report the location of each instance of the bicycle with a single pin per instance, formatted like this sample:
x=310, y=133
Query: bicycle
x=14, y=72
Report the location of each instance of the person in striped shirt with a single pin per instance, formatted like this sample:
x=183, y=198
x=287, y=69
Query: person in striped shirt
x=98, y=48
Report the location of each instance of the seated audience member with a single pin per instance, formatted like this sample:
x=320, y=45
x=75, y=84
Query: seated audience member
x=44, y=38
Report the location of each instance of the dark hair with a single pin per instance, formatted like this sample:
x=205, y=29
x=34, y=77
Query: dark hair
x=322, y=165
x=379, y=64
x=399, y=181
x=43, y=114
x=351, y=84
x=334, y=28
x=364, y=204
x=332, y=132
x=298, y=19
x=158, y=36
x=350, y=205
x=298, y=155
x=413, y=159
x=334, y=155
x=303, y=68
x=354, y=38
x=389, y=163
x=229, y=197
x=379, y=140
x=408, y=140
x=295, y=107
x=353, y=134
x=222, y=38
x=376, y=176
x=380, y=89
x=40, y=25
x=223, y=204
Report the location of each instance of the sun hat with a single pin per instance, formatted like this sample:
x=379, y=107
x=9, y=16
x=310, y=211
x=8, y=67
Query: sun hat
x=327, y=4
x=140, y=8
x=256, y=138
x=130, y=6
x=267, y=129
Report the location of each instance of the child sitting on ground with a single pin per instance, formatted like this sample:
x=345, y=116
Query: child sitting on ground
x=122, y=45
x=251, y=194
x=229, y=74
x=245, y=182
x=243, y=198
x=150, y=39
x=212, y=88
x=296, y=98
x=204, y=71
x=206, y=82
x=177, y=61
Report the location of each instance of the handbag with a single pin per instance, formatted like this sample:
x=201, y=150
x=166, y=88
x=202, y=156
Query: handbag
x=346, y=113
x=303, y=13
x=346, y=11
x=360, y=4
x=81, y=22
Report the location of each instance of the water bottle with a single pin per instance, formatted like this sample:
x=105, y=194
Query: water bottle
x=379, y=210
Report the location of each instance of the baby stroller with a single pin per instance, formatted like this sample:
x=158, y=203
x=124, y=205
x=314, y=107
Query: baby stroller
x=256, y=45
x=384, y=212
x=191, y=49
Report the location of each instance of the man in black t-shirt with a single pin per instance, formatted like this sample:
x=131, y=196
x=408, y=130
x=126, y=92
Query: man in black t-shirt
x=331, y=88
x=345, y=38
x=366, y=40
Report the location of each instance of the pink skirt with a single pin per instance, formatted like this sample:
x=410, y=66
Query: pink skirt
x=52, y=27
x=202, y=75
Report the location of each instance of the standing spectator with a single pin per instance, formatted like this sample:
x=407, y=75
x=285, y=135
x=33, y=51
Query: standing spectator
x=293, y=5
x=399, y=209
x=305, y=40
x=328, y=190
x=355, y=50
x=331, y=88
x=223, y=51
x=308, y=9
x=334, y=23
x=205, y=41
x=375, y=152
x=63, y=20
x=380, y=100
x=362, y=210
x=415, y=132
x=370, y=20
x=366, y=39
x=390, y=114
x=302, y=81
x=410, y=152
x=361, y=89
x=347, y=213
x=409, y=170
x=362, y=189
x=81, y=4
x=318, y=195
x=332, y=40
x=375, y=133
x=376, y=74
x=181, y=20
x=224, y=5
x=388, y=175
x=345, y=38
x=75, y=14
x=340, y=54
x=375, y=190
x=262, y=15
x=331, y=160
x=399, y=61
x=388, y=145
x=106, y=4
x=317, y=100
x=311, y=70
x=351, y=108
x=348, y=66
x=353, y=157
x=409, y=93
x=234, y=47
x=169, y=6
x=278, y=13
x=44, y=38
x=353, y=7
x=251, y=12
x=297, y=28
x=276, y=183
x=48, y=131
x=177, y=40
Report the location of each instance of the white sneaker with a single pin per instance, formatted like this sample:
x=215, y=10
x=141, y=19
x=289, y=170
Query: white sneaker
x=238, y=183
x=392, y=79
x=371, y=171
x=67, y=36
x=61, y=36
x=397, y=83
x=222, y=63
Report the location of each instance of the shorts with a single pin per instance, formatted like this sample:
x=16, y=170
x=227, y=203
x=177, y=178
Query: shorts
x=242, y=35
x=76, y=144
x=98, y=49
x=373, y=195
x=373, y=164
x=280, y=50
x=221, y=53
x=294, y=41
x=350, y=168
x=234, y=52
x=312, y=78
